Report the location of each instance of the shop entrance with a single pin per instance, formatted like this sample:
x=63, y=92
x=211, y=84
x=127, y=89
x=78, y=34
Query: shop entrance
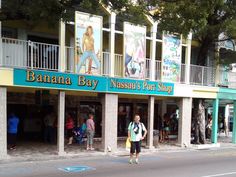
x=165, y=128
x=166, y=118
x=126, y=112
x=127, y=108
x=79, y=108
x=32, y=106
x=38, y=120
x=225, y=121
x=31, y=126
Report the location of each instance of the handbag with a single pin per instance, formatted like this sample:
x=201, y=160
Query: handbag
x=127, y=144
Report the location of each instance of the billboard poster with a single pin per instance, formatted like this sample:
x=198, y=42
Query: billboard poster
x=171, y=58
x=88, y=43
x=134, y=50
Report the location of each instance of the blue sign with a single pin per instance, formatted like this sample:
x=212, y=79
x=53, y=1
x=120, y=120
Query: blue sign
x=77, y=169
x=68, y=81
x=49, y=79
x=139, y=87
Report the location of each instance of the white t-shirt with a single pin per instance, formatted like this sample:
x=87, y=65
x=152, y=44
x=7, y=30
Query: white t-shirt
x=138, y=128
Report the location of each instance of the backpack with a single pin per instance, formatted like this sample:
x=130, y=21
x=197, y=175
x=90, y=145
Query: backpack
x=132, y=123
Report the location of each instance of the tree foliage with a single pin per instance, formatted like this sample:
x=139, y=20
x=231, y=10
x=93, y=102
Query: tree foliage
x=33, y=11
x=206, y=19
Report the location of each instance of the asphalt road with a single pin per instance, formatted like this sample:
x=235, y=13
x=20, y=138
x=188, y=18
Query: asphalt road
x=203, y=163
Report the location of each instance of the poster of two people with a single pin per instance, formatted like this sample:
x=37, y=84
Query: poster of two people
x=88, y=49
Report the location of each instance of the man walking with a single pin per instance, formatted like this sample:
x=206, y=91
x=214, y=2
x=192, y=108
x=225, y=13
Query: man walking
x=136, y=133
x=12, y=129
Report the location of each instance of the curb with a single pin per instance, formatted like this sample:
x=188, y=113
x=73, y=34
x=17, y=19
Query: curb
x=119, y=153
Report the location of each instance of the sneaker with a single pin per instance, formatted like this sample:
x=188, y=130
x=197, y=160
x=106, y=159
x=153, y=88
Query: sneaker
x=136, y=161
x=130, y=161
x=92, y=149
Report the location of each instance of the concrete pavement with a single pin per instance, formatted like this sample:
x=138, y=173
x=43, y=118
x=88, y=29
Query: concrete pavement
x=194, y=163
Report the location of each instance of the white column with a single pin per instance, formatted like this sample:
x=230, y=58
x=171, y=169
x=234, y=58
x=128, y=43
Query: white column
x=3, y=123
x=151, y=102
x=109, y=122
x=153, y=50
x=188, y=58
x=61, y=123
x=112, y=44
x=62, y=39
x=184, y=130
x=227, y=114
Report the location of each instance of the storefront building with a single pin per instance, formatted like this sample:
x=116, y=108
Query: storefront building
x=120, y=79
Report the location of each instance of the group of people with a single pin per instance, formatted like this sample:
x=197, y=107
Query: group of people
x=85, y=128
x=78, y=133
x=165, y=125
x=136, y=132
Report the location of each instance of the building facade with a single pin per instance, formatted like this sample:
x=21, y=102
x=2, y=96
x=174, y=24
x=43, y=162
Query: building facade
x=40, y=71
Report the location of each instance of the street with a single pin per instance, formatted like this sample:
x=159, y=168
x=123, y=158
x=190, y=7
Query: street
x=194, y=163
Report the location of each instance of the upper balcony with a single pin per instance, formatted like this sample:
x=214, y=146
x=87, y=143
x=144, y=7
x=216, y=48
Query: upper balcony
x=34, y=55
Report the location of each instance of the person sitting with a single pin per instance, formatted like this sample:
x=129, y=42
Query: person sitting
x=80, y=132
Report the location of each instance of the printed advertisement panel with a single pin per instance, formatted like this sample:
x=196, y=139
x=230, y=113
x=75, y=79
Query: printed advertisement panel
x=171, y=57
x=88, y=43
x=134, y=50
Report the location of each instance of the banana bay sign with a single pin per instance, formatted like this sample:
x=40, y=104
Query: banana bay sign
x=68, y=81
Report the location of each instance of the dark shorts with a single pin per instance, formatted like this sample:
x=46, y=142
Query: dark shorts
x=11, y=138
x=135, y=147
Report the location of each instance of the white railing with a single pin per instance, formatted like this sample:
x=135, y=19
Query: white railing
x=231, y=79
x=158, y=70
x=70, y=60
x=28, y=54
x=14, y=53
x=202, y=75
x=148, y=68
x=35, y=55
x=106, y=70
x=227, y=78
x=183, y=78
x=118, y=70
x=223, y=77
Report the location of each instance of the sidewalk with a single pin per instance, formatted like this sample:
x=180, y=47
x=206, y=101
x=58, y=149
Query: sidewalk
x=41, y=151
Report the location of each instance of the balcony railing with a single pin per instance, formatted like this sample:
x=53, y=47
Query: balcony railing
x=148, y=69
x=27, y=54
x=183, y=78
x=35, y=55
x=118, y=70
x=202, y=75
x=158, y=70
x=106, y=70
x=227, y=78
x=224, y=77
x=70, y=62
x=232, y=80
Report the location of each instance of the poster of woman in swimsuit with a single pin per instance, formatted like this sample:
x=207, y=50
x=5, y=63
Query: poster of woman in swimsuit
x=134, y=50
x=88, y=43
